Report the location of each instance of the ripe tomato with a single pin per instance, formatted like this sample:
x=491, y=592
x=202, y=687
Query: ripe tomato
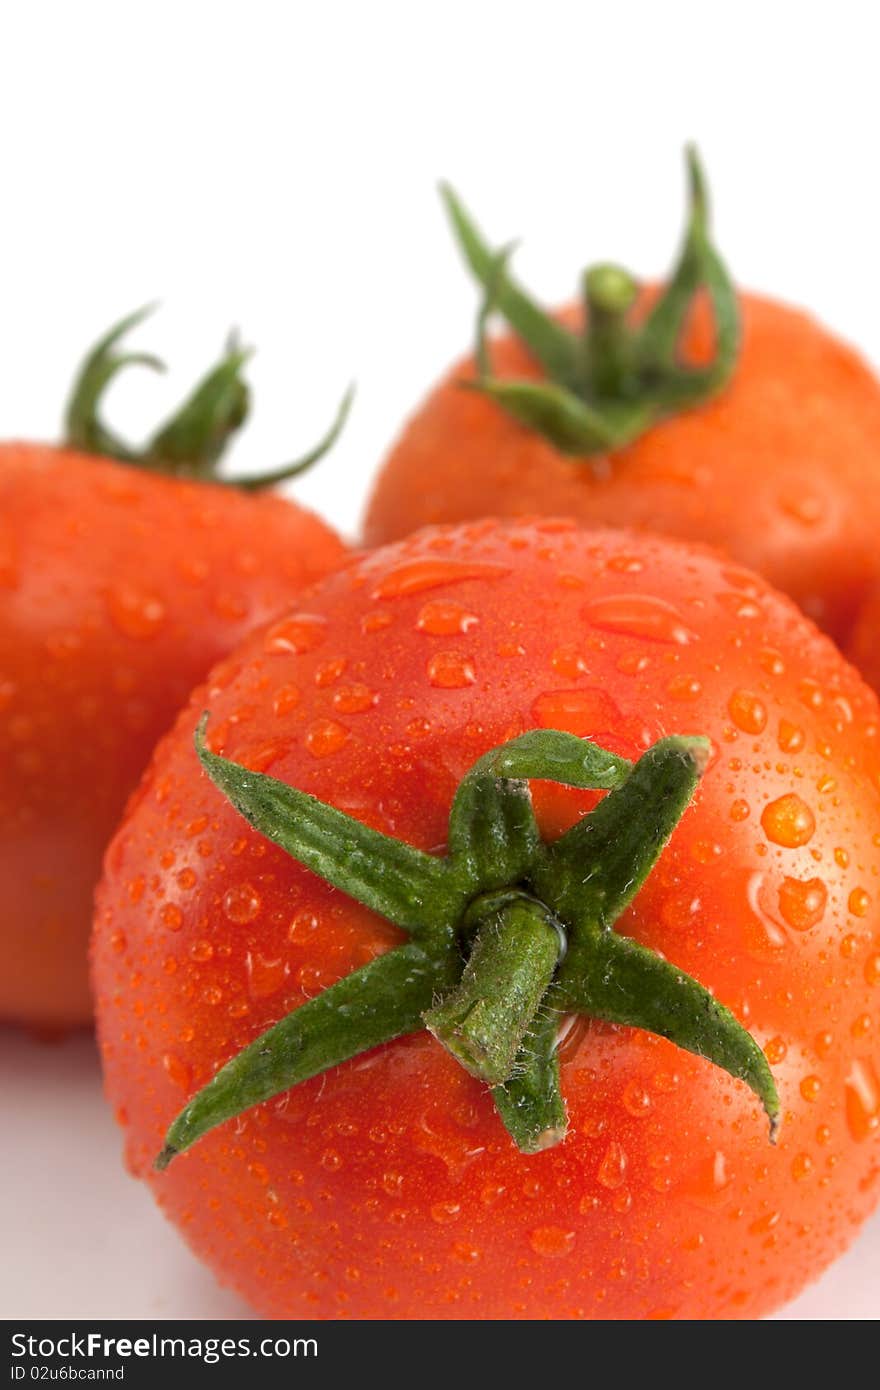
x=119, y=589
x=864, y=645
x=387, y=1187
x=777, y=468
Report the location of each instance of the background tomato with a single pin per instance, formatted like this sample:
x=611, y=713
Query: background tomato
x=777, y=469
x=387, y=1187
x=119, y=589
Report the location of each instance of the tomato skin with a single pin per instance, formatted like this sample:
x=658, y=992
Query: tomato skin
x=387, y=1188
x=118, y=591
x=863, y=648
x=778, y=470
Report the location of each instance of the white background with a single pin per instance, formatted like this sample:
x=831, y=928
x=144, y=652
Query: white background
x=273, y=166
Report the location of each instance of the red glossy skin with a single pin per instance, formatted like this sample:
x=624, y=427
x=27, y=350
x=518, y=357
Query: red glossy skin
x=118, y=591
x=388, y=1188
x=864, y=645
x=779, y=470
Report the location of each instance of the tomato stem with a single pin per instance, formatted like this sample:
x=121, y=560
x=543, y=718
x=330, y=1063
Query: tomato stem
x=605, y=386
x=507, y=933
x=192, y=443
x=484, y=1019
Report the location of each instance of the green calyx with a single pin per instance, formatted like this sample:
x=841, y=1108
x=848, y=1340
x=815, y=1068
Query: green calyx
x=606, y=385
x=507, y=934
x=192, y=443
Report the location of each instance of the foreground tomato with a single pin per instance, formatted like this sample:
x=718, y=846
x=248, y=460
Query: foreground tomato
x=767, y=450
x=864, y=645
x=119, y=588
x=387, y=1187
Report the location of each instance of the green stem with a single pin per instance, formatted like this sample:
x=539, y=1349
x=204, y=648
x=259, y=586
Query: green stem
x=530, y=1102
x=604, y=387
x=609, y=359
x=538, y=919
x=192, y=443
x=516, y=952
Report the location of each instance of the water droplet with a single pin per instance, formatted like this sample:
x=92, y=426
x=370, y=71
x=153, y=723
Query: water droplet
x=376, y=621
x=872, y=969
x=301, y=632
x=287, y=697
x=788, y=821
x=241, y=903
x=117, y=942
x=177, y=1070
x=740, y=810
x=636, y=1099
x=801, y=1167
x=302, y=926
x=684, y=688
x=791, y=738
x=551, y=1241
x=612, y=1169
x=862, y=1100
x=354, y=699
x=135, y=613
x=861, y=1026
x=776, y=1050
x=419, y=575
x=859, y=902
x=331, y=1160
x=810, y=1088
x=328, y=672
x=451, y=670
x=442, y=618
x=802, y=902
x=201, y=951
x=747, y=711
x=265, y=975
x=171, y=916
x=638, y=615
x=325, y=737
x=445, y=1212
x=581, y=712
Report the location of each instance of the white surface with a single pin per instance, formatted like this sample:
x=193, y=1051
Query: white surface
x=273, y=165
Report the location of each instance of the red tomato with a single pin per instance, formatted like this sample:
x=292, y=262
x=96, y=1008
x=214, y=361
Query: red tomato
x=388, y=1188
x=119, y=589
x=864, y=645
x=777, y=468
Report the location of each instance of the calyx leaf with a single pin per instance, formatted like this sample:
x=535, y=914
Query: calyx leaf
x=507, y=933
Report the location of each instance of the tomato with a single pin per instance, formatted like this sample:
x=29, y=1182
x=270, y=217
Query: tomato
x=119, y=589
x=864, y=645
x=388, y=1187
x=777, y=468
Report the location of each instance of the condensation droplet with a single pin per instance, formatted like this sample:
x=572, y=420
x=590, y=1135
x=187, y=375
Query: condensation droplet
x=638, y=615
x=301, y=632
x=442, y=618
x=747, y=712
x=788, y=821
x=551, y=1242
x=241, y=903
x=450, y=671
x=612, y=1169
x=326, y=737
x=862, y=1100
x=802, y=902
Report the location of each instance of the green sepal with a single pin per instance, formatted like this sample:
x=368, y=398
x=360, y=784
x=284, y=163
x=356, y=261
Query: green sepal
x=605, y=388
x=623, y=982
x=552, y=345
x=83, y=427
x=383, y=1000
x=595, y=869
x=192, y=443
x=530, y=1103
x=414, y=890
